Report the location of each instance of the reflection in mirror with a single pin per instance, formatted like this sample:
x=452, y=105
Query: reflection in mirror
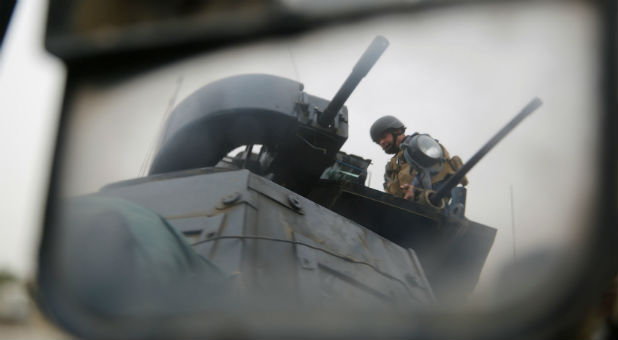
x=210, y=187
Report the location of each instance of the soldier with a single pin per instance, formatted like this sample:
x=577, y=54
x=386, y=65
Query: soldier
x=400, y=179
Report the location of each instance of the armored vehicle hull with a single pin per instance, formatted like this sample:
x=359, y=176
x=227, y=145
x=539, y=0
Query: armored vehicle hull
x=274, y=243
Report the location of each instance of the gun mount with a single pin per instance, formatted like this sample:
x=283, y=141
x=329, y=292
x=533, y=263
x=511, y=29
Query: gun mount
x=301, y=133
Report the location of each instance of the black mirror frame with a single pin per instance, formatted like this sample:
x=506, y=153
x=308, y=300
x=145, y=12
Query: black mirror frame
x=597, y=268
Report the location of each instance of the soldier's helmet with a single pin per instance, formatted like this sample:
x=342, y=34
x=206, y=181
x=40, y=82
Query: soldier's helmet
x=384, y=124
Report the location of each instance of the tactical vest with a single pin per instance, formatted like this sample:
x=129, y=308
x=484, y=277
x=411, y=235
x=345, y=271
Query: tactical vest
x=397, y=172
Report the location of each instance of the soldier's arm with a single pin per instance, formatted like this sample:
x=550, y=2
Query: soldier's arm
x=408, y=191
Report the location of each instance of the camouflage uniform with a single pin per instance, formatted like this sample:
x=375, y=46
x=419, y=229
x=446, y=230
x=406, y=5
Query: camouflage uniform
x=397, y=172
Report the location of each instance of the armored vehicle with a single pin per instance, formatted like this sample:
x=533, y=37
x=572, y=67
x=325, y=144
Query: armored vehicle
x=290, y=226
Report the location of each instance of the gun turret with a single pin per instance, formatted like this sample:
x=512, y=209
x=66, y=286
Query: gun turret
x=300, y=133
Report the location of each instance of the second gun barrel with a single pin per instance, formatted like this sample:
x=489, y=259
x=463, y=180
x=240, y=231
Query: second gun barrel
x=454, y=180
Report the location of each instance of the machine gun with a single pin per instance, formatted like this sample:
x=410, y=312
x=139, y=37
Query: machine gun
x=300, y=133
x=423, y=153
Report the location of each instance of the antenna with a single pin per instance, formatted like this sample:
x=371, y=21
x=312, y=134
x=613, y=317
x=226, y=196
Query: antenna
x=294, y=64
x=168, y=110
x=513, y=224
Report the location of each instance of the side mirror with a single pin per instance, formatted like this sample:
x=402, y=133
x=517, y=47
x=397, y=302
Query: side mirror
x=122, y=84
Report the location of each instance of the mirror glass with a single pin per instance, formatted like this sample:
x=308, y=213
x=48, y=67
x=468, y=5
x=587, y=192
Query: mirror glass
x=457, y=73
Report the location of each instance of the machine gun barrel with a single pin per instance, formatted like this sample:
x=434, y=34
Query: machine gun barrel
x=454, y=180
x=362, y=67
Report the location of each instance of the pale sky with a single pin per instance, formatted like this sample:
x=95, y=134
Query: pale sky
x=457, y=75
